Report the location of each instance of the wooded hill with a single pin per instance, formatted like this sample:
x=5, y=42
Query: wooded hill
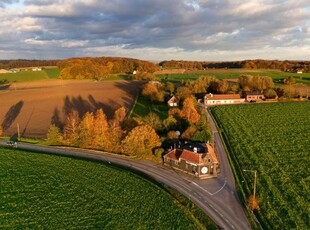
x=291, y=66
x=23, y=63
x=100, y=67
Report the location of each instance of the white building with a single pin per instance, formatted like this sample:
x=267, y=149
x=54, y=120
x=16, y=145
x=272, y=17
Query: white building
x=222, y=99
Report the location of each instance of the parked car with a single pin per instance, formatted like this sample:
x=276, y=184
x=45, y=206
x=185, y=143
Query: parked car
x=12, y=143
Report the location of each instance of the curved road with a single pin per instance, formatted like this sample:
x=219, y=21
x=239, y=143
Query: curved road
x=217, y=197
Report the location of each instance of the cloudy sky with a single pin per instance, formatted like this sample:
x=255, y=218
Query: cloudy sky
x=156, y=29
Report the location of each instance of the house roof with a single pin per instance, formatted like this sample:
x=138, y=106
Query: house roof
x=191, y=157
x=253, y=93
x=222, y=96
x=212, y=153
x=172, y=99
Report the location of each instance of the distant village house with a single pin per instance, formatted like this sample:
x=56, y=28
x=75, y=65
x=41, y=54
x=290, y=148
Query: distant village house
x=253, y=95
x=299, y=71
x=172, y=101
x=36, y=69
x=4, y=71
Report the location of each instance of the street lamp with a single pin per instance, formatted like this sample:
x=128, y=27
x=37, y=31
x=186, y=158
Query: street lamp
x=255, y=177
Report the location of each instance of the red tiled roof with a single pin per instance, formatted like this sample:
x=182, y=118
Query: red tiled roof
x=222, y=96
x=172, y=155
x=185, y=154
x=212, y=153
x=192, y=157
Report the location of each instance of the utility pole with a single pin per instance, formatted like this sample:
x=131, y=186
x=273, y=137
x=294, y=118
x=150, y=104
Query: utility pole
x=255, y=178
x=18, y=132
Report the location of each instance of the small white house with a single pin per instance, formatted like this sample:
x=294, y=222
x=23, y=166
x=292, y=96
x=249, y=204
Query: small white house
x=36, y=69
x=172, y=101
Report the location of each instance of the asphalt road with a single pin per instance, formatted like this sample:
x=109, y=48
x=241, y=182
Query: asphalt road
x=217, y=197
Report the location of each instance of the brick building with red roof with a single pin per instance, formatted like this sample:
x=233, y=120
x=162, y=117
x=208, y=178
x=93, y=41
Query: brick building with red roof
x=201, y=164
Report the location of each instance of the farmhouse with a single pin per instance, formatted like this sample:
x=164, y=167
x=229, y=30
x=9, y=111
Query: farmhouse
x=222, y=99
x=3, y=71
x=253, y=95
x=14, y=70
x=172, y=101
x=36, y=69
x=200, y=161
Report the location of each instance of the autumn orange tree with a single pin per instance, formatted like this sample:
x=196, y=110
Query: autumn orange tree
x=101, y=129
x=140, y=141
x=71, y=135
x=119, y=117
x=253, y=203
x=189, y=111
x=154, y=92
x=1, y=131
x=86, y=134
x=54, y=136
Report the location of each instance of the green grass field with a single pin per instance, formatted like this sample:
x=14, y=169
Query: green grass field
x=24, y=76
x=52, y=73
x=144, y=106
x=40, y=191
x=235, y=73
x=273, y=139
x=27, y=76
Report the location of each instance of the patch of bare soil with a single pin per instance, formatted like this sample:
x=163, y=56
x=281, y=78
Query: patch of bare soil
x=34, y=105
x=170, y=71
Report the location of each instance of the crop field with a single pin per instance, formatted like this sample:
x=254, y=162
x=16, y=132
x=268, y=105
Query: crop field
x=40, y=191
x=273, y=139
x=34, y=105
x=235, y=73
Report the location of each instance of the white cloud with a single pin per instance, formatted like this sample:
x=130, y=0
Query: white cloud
x=73, y=44
x=187, y=29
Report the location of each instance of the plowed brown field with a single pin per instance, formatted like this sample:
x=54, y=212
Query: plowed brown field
x=34, y=105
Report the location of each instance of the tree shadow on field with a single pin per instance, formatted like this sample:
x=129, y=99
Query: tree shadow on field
x=131, y=89
x=11, y=115
x=82, y=106
x=56, y=120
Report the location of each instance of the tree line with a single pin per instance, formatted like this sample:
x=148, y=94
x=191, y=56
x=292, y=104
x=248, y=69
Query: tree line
x=101, y=67
x=94, y=131
x=23, y=63
x=286, y=65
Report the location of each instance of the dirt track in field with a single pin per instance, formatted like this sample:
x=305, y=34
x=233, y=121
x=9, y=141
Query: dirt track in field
x=35, y=105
